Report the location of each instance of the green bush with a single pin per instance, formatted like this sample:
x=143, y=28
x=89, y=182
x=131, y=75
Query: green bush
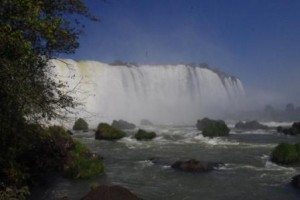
x=285, y=153
x=144, y=135
x=211, y=128
x=107, y=132
x=83, y=164
x=14, y=193
x=80, y=125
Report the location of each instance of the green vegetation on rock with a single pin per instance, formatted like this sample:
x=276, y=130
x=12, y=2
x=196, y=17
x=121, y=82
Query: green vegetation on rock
x=83, y=163
x=80, y=124
x=107, y=132
x=251, y=125
x=49, y=149
x=212, y=128
x=293, y=130
x=144, y=135
x=146, y=122
x=122, y=124
x=286, y=153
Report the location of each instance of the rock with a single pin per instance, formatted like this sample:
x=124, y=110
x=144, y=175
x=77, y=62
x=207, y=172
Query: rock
x=144, y=135
x=64, y=198
x=80, y=125
x=105, y=192
x=296, y=181
x=293, y=130
x=195, y=166
x=121, y=124
x=69, y=132
x=146, y=122
x=285, y=153
x=107, y=132
x=211, y=128
x=279, y=129
x=201, y=124
x=251, y=125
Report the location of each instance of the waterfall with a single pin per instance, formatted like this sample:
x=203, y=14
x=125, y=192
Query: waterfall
x=160, y=93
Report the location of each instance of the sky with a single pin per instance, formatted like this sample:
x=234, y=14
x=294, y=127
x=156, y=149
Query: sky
x=256, y=40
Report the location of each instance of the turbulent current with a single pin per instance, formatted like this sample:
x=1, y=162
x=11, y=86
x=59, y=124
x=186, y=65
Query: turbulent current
x=144, y=166
x=161, y=93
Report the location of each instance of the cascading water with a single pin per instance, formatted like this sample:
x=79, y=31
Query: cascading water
x=160, y=93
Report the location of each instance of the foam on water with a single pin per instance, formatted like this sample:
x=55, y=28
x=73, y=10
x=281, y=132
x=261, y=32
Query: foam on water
x=269, y=166
x=276, y=124
x=145, y=163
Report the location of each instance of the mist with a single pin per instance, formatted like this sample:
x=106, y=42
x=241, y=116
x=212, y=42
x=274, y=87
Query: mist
x=254, y=41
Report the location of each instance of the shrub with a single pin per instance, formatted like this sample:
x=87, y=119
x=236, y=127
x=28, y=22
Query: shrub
x=144, y=135
x=107, y=132
x=80, y=124
x=14, y=193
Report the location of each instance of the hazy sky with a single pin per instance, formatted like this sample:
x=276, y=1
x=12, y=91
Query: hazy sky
x=255, y=40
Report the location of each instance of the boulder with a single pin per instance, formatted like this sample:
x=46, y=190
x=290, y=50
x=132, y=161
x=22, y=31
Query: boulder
x=286, y=153
x=144, y=135
x=195, y=166
x=251, y=125
x=121, y=124
x=80, y=125
x=107, y=132
x=211, y=128
x=105, y=192
x=146, y=122
x=296, y=181
x=64, y=198
x=293, y=130
x=69, y=132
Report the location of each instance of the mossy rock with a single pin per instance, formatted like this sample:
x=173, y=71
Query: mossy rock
x=293, y=130
x=80, y=125
x=82, y=163
x=201, y=124
x=250, y=125
x=285, y=153
x=122, y=124
x=146, y=122
x=107, y=132
x=144, y=135
x=212, y=128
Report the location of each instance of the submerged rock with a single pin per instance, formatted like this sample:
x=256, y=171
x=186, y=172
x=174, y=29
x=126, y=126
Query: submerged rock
x=296, y=181
x=195, y=166
x=122, y=124
x=80, y=125
x=114, y=192
x=107, y=132
x=211, y=128
x=144, y=135
x=251, y=125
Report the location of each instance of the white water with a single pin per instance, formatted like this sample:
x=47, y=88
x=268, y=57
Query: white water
x=160, y=93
